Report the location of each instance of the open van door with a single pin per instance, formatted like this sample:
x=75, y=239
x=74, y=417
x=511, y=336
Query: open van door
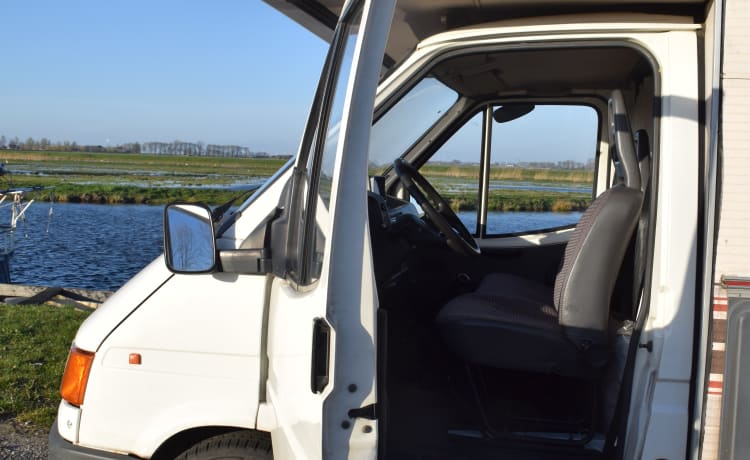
x=320, y=388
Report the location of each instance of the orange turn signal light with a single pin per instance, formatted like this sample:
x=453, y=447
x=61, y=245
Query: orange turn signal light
x=76, y=375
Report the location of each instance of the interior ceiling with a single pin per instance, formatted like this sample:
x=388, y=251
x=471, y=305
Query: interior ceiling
x=542, y=72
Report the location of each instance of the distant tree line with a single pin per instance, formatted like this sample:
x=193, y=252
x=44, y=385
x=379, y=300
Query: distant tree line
x=563, y=164
x=157, y=148
x=199, y=149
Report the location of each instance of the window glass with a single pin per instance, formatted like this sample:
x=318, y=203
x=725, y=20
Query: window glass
x=541, y=171
x=322, y=158
x=407, y=121
x=542, y=168
x=454, y=171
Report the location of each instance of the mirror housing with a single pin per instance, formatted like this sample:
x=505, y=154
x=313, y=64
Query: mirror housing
x=189, y=242
x=511, y=111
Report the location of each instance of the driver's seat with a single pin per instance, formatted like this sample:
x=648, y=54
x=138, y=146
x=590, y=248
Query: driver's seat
x=511, y=322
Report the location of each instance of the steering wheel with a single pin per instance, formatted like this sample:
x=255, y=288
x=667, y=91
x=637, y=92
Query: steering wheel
x=442, y=216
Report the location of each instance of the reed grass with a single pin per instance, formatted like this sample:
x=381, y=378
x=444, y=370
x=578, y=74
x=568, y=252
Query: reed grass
x=573, y=176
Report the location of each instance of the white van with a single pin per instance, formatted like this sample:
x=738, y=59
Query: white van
x=371, y=300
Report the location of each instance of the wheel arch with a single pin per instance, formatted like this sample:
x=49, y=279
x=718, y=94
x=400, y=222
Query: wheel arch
x=182, y=441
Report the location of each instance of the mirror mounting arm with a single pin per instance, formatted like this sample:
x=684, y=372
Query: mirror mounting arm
x=246, y=261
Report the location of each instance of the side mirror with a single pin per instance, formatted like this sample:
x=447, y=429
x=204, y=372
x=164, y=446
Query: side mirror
x=189, y=243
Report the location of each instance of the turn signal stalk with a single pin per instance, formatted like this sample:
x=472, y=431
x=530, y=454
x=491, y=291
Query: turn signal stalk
x=76, y=375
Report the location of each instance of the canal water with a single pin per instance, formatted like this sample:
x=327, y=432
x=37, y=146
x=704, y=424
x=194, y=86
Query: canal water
x=95, y=246
x=88, y=246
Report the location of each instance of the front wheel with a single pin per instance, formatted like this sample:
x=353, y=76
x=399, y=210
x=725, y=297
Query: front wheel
x=239, y=445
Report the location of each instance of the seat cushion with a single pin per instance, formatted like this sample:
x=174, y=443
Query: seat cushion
x=510, y=322
x=507, y=285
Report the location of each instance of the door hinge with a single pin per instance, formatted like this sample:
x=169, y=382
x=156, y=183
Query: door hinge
x=369, y=412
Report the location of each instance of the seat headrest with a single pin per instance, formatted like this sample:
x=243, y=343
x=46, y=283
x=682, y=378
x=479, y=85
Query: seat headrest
x=621, y=144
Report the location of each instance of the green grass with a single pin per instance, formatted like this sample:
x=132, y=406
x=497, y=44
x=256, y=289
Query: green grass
x=573, y=176
x=521, y=200
x=127, y=194
x=34, y=344
x=110, y=178
x=46, y=162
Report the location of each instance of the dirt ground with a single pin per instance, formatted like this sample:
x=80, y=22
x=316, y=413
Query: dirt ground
x=18, y=441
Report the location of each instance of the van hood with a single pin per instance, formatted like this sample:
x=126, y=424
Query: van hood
x=111, y=313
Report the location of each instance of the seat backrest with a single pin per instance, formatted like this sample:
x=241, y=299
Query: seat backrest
x=584, y=284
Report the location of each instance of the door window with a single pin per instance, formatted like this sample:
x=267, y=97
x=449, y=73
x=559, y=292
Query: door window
x=454, y=171
x=319, y=152
x=541, y=168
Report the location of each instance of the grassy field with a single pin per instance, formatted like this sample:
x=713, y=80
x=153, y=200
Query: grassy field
x=107, y=178
x=59, y=162
x=34, y=341
x=129, y=178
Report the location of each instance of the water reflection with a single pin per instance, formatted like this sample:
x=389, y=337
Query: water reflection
x=513, y=222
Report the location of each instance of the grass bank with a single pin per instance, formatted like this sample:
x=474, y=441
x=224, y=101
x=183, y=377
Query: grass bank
x=56, y=162
x=107, y=178
x=567, y=176
x=34, y=341
x=128, y=194
x=521, y=200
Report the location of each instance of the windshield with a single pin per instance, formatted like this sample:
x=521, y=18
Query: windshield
x=407, y=121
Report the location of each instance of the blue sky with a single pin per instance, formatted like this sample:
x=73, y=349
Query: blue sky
x=224, y=72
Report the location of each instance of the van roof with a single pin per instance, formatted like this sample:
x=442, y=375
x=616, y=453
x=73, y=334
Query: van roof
x=415, y=20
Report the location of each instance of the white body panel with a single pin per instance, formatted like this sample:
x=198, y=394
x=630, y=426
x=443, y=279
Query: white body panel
x=99, y=324
x=298, y=411
x=199, y=365
x=664, y=401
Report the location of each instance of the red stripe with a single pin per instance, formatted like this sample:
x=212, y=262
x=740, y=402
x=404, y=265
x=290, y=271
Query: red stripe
x=720, y=307
x=737, y=283
x=715, y=384
x=720, y=299
x=714, y=392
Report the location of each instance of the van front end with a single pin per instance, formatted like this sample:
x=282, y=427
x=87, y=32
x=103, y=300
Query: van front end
x=167, y=357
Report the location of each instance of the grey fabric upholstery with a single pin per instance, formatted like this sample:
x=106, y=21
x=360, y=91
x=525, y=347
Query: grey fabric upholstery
x=507, y=318
x=584, y=285
x=511, y=322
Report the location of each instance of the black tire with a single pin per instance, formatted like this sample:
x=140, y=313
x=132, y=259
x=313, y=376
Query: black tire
x=238, y=445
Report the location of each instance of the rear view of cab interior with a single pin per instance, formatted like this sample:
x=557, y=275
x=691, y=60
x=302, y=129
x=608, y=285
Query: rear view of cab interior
x=497, y=334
